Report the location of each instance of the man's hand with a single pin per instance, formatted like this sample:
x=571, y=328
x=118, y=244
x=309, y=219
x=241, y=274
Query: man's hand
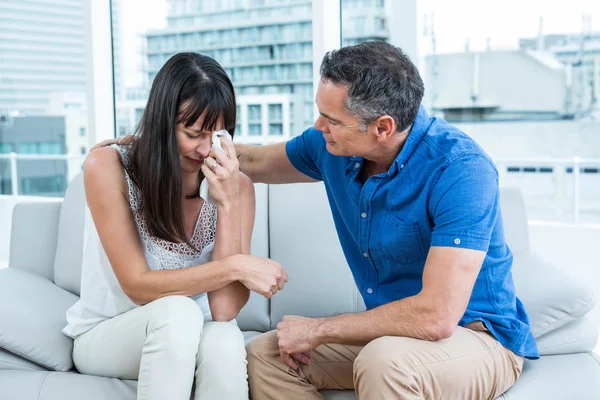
x=120, y=141
x=297, y=336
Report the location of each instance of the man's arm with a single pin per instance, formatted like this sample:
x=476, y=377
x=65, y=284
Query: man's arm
x=432, y=314
x=268, y=164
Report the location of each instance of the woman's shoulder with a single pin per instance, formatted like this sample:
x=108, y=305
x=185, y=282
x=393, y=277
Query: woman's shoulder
x=104, y=168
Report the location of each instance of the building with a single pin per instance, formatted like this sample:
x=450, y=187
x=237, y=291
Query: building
x=498, y=86
x=34, y=135
x=580, y=53
x=264, y=45
x=42, y=50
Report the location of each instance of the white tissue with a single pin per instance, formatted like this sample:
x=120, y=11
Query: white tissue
x=216, y=144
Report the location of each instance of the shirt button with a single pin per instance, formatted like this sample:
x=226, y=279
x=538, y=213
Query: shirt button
x=369, y=290
x=357, y=165
x=364, y=215
x=401, y=166
x=365, y=255
x=457, y=241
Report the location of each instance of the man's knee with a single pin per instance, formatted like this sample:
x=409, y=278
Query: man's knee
x=262, y=348
x=377, y=365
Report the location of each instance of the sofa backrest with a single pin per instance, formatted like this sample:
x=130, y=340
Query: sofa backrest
x=303, y=239
x=69, y=246
x=33, y=237
x=293, y=226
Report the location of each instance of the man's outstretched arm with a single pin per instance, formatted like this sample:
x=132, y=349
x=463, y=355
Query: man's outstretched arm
x=268, y=164
x=432, y=314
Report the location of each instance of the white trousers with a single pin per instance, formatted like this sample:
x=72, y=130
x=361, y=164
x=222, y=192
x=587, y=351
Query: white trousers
x=161, y=344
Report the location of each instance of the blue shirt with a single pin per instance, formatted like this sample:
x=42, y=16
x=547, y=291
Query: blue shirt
x=441, y=190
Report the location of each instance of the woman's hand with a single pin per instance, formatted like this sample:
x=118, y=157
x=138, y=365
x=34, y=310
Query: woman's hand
x=222, y=170
x=261, y=275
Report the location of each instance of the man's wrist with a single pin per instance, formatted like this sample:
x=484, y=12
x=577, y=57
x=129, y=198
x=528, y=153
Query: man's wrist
x=325, y=332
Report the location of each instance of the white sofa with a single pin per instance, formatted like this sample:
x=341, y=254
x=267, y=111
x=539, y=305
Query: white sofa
x=293, y=226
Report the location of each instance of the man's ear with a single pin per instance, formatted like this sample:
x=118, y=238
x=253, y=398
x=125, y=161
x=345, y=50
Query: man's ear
x=384, y=126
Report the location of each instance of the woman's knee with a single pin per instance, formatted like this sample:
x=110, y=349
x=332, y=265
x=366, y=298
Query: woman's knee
x=223, y=340
x=176, y=319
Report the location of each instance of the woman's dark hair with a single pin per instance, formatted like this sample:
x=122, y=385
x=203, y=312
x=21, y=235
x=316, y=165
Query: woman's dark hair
x=185, y=87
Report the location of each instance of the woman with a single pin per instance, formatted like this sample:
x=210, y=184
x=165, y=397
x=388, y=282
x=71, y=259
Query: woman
x=164, y=272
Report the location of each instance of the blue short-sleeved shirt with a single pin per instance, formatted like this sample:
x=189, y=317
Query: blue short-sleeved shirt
x=441, y=190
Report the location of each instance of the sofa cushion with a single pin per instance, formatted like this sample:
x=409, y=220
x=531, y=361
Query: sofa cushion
x=514, y=217
x=38, y=385
x=69, y=247
x=572, y=376
x=33, y=236
x=255, y=314
x=551, y=298
x=9, y=361
x=304, y=240
x=579, y=336
x=32, y=317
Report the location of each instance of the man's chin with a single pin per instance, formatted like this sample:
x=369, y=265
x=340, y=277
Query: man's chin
x=332, y=148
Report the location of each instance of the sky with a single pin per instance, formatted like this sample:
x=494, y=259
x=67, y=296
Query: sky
x=456, y=22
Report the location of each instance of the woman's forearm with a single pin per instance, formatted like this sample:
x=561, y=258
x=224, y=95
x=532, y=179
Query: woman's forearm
x=154, y=284
x=226, y=302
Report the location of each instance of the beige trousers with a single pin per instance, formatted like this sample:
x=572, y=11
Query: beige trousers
x=166, y=344
x=470, y=365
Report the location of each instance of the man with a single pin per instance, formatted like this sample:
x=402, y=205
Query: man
x=416, y=208
x=415, y=204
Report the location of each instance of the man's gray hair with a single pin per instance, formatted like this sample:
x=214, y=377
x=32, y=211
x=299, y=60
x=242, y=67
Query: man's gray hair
x=381, y=80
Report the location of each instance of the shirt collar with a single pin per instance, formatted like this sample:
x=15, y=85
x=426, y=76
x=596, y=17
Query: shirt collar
x=417, y=132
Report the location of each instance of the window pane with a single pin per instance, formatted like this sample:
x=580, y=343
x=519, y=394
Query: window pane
x=528, y=91
x=264, y=46
x=42, y=93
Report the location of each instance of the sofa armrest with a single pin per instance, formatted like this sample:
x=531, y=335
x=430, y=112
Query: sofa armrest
x=33, y=237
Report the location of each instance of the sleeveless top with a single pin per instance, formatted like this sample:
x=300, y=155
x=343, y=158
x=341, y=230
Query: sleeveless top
x=101, y=295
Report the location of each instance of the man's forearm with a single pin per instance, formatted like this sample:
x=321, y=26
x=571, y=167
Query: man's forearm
x=245, y=155
x=410, y=317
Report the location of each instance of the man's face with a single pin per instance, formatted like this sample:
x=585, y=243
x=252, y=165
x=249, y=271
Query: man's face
x=340, y=129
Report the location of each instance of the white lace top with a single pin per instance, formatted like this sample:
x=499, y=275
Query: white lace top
x=101, y=295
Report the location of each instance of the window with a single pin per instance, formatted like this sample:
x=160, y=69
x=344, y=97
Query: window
x=43, y=99
x=40, y=148
x=514, y=92
x=6, y=148
x=43, y=185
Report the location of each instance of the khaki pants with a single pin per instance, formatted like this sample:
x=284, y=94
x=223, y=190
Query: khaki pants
x=470, y=365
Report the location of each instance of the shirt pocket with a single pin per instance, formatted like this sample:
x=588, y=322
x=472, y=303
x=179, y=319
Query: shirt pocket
x=400, y=241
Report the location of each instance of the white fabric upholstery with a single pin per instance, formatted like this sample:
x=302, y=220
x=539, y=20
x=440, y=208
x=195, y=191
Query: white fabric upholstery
x=514, y=216
x=579, y=336
x=10, y=361
x=255, y=315
x=33, y=238
x=69, y=248
x=551, y=298
x=32, y=316
x=303, y=239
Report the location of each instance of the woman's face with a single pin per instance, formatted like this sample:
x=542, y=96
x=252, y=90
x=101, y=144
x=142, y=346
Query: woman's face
x=194, y=144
